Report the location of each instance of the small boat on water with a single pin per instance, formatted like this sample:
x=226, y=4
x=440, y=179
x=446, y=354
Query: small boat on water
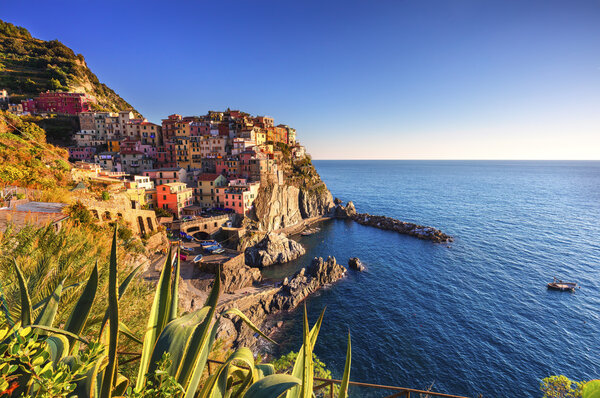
x=310, y=231
x=562, y=286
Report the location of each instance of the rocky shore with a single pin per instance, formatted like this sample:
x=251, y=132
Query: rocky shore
x=390, y=224
x=273, y=249
x=283, y=297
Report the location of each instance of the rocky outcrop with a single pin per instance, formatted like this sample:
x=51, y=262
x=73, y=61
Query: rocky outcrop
x=276, y=206
x=315, y=202
x=281, y=298
x=391, y=224
x=280, y=206
x=355, y=264
x=341, y=211
x=307, y=281
x=273, y=249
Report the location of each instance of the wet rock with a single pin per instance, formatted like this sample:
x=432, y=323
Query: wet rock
x=273, y=249
x=355, y=264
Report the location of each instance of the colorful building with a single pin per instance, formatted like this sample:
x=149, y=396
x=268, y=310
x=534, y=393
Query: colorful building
x=238, y=196
x=174, y=197
x=59, y=102
x=205, y=194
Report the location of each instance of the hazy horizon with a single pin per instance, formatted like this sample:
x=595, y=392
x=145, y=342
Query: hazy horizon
x=386, y=80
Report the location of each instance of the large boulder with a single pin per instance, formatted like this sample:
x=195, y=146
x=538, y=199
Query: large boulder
x=355, y=264
x=273, y=249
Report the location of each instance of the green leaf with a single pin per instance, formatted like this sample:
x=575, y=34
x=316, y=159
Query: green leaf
x=122, y=289
x=48, y=313
x=157, y=321
x=174, y=340
x=82, y=308
x=307, y=370
x=113, y=306
x=192, y=361
x=217, y=386
x=264, y=370
x=298, y=370
x=346, y=377
x=128, y=333
x=61, y=332
x=591, y=389
x=198, y=366
x=175, y=290
x=58, y=346
x=272, y=386
x=25, y=299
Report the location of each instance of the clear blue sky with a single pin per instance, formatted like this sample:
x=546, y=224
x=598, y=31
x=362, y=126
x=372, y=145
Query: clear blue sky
x=358, y=79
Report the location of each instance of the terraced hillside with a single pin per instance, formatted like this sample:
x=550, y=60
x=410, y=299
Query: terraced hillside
x=26, y=159
x=29, y=66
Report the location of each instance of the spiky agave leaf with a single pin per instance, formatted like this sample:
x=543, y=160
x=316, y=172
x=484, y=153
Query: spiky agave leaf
x=346, y=377
x=113, y=306
x=157, y=321
x=200, y=343
x=216, y=387
x=175, y=289
x=298, y=369
x=48, y=313
x=272, y=386
x=25, y=298
x=82, y=308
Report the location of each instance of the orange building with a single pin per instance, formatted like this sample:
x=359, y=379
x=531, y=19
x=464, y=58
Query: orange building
x=174, y=197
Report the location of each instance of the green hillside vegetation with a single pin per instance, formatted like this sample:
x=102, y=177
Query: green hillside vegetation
x=29, y=66
x=26, y=159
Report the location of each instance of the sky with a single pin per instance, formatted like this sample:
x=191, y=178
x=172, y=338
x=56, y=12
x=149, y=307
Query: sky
x=371, y=79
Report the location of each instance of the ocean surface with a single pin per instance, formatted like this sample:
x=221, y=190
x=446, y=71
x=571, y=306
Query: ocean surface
x=475, y=317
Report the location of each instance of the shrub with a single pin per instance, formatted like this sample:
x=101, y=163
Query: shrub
x=79, y=213
x=560, y=387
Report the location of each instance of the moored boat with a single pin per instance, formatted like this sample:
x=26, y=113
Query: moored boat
x=562, y=286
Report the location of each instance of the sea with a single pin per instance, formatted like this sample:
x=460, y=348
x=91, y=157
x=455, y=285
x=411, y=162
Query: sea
x=473, y=316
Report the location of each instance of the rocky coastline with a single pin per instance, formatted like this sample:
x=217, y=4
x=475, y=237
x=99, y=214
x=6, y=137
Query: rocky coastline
x=389, y=224
x=284, y=296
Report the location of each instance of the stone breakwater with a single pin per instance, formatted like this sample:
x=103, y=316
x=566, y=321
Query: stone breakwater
x=389, y=224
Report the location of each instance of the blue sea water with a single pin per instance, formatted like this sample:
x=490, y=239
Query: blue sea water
x=475, y=317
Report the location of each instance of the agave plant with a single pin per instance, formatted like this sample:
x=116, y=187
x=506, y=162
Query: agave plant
x=184, y=340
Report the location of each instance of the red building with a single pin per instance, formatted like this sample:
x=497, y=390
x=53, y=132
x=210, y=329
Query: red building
x=59, y=102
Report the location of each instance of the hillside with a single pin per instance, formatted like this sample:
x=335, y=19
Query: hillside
x=26, y=159
x=29, y=66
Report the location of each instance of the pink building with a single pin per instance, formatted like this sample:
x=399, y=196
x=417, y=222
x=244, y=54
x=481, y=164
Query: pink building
x=59, y=102
x=85, y=153
x=238, y=196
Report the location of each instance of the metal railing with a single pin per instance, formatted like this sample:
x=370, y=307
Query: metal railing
x=398, y=391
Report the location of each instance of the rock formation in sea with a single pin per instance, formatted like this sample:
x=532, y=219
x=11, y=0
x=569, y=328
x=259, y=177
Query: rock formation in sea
x=355, y=264
x=274, y=248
